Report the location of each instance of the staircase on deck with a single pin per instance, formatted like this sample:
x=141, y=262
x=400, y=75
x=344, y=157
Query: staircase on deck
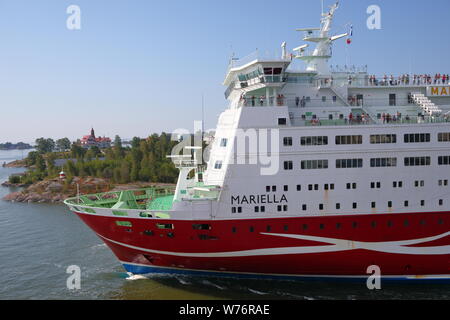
x=425, y=104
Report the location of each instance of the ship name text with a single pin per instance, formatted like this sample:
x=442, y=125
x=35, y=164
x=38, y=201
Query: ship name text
x=258, y=199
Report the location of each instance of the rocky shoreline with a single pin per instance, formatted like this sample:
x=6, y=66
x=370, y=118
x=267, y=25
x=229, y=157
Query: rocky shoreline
x=56, y=190
x=15, y=164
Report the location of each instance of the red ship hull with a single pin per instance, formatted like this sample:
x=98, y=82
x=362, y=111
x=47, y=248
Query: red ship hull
x=409, y=246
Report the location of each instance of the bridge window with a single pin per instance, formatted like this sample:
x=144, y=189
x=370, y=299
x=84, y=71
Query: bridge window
x=383, y=162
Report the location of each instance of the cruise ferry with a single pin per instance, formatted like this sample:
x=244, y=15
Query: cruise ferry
x=318, y=172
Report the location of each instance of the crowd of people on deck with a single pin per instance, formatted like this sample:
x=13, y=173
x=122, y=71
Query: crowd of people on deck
x=252, y=101
x=406, y=79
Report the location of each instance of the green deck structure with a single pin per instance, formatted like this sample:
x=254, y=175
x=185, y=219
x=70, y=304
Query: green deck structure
x=156, y=199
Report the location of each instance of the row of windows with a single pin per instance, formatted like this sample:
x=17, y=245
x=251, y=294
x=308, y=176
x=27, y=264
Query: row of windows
x=340, y=225
x=374, y=139
x=374, y=163
x=349, y=139
x=417, y=161
x=373, y=205
x=383, y=138
x=349, y=163
x=314, y=141
x=444, y=137
x=417, y=137
x=444, y=160
x=383, y=162
x=314, y=164
x=353, y=185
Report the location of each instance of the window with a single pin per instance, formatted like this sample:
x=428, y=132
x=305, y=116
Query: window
x=338, y=206
x=383, y=138
x=373, y=205
x=389, y=204
x=262, y=209
x=267, y=188
x=299, y=187
x=274, y=188
x=443, y=182
x=406, y=203
x=314, y=141
x=314, y=164
x=223, y=142
x=304, y=207
x=419, y=183
x=201, y=227
x=376, y=185
x=165, y=226
x=441, y=202
x=355, y=205
x=383, y=162
x=328, y=186
x=351, y=185
x=444, y=137
x=282, y=121
x=422, y=202
x=218, y=165
x=416, y=137
x=285, y=187
x=349, y=163
x=417, y=161
x=392, y=99
x=397, y=184
x=321, y=206
x=324, y=98
x=256, y=209
x=288, y=165
x=444, y=160
x=287, y=141
x=348, y=140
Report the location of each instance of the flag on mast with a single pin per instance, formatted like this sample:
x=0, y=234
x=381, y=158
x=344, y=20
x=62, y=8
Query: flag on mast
x=350, y=34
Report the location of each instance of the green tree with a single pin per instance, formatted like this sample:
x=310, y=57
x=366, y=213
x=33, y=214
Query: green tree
x=63, y=144
x=45, y=145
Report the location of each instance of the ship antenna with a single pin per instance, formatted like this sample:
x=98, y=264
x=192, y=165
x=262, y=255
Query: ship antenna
x=203, y=115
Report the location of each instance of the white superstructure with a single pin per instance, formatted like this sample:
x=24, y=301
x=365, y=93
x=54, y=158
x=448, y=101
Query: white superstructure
x=348, y=142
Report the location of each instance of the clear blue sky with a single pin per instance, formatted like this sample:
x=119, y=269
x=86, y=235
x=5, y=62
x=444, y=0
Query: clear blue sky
x=140, y=66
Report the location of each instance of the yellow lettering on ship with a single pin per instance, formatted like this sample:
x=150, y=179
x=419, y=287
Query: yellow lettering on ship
x=444, y=91
x=435, y=91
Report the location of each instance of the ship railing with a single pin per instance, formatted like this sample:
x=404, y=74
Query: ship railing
x=395, y=82
x=256, y=55
x=357, y=121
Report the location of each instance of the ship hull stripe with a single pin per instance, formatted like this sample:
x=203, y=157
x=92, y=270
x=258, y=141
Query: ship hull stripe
x=339, y=245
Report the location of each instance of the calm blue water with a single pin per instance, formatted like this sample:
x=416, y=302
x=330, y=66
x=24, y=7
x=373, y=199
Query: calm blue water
x=38, y=242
